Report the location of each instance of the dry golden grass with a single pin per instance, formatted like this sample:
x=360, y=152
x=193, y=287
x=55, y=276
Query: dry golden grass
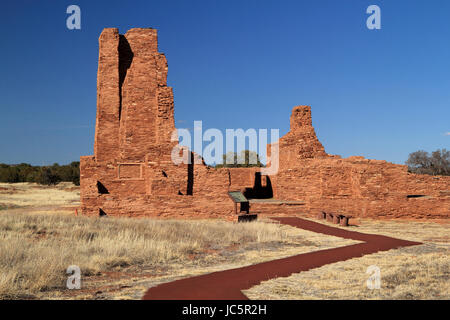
x=38, y=243
x=29, y=195
x=35, y=250
x=121, y=258
x=419, y=272
x=297, y=241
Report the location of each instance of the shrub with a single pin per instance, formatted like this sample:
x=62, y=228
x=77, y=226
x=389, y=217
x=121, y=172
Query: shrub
x=245, y=159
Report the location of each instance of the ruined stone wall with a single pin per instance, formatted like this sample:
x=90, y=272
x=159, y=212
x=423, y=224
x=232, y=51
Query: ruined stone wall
x=355, y=185
x=132, y=173
x=108, y=97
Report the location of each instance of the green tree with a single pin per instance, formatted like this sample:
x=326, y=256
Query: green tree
x=25, y=172
x=47, y=177
x=244, y=159
x=9, y=174
x=33, y=176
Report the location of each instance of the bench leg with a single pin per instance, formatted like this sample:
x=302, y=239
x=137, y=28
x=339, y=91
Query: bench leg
x=336, y=219
x=344, y=222
x=329, y=217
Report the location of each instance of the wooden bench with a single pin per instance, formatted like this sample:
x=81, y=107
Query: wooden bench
x=321, y=215
x=329, y=217
x=244, y=206
x=344, y=220
x=334, y=217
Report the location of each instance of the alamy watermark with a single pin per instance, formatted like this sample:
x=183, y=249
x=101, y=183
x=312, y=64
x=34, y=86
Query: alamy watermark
x=73, y=22
x=374, y=20
x=74, y=280
x=374, y=280
x=213, y=151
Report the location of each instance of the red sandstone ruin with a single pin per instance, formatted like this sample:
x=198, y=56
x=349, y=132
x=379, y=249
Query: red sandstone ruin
x=131, y=172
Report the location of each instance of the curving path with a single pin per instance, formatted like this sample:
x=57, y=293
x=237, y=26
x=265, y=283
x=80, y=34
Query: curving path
x=227, y=284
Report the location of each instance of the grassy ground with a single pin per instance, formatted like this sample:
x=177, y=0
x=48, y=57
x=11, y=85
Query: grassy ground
x=121, y=258
x=419, y=272
x=36, y=249
x=31, y=197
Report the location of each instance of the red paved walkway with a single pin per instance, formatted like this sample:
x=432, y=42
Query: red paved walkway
x=227, y=285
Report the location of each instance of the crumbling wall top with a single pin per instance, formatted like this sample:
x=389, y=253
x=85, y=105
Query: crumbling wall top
x=301, y=117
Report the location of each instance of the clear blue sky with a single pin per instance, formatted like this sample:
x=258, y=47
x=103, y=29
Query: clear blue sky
x=236, y=64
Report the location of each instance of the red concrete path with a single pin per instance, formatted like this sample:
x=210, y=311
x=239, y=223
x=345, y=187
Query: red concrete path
x=227, y=285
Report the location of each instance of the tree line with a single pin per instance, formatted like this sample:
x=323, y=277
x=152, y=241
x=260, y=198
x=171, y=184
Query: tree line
x=46, y=175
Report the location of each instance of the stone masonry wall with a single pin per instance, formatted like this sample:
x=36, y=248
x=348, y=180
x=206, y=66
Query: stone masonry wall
x=355, y=185
x=132, y=173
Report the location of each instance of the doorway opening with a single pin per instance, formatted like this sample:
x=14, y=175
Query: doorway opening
x=262, y=188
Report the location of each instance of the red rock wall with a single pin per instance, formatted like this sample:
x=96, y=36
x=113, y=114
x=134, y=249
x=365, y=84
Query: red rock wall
x=132, y=173
x=355, y=185
x=108, y=97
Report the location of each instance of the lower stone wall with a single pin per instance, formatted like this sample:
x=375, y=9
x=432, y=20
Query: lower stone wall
x=356, y=186
x=159, y=206
x=364, y=188
x=160, y=188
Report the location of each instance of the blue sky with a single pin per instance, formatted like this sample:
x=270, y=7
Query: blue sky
x=236, y=64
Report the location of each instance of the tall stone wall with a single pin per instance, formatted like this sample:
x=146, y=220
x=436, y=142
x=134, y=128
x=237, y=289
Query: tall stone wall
x=132, y=173
x=106, y=144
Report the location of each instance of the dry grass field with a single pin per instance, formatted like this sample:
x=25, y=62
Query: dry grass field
x=36, y=249
x=31, y=197
x=121, y=258
x=418, y=272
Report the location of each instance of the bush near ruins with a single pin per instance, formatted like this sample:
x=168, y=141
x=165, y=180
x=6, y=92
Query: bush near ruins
x=436, y=163
x=46, y=175
x=245, y=159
